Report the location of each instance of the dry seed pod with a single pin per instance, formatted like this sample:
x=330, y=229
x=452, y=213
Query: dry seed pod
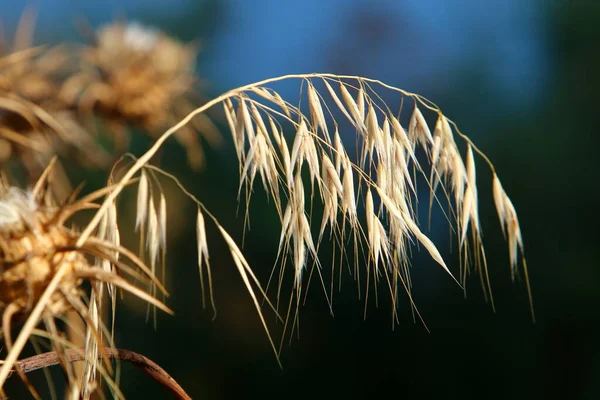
x=32, y=247
x=134, y=75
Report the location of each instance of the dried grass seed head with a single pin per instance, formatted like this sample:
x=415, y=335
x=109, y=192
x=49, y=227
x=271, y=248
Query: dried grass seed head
x=392, y=150
x=386, y=168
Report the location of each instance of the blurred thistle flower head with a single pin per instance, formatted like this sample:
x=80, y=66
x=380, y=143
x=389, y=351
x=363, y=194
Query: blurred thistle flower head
x=133, y=44
x=29, y=72
x=34, y=123
x=137, y=37
x=133, y=75
x=33, y=245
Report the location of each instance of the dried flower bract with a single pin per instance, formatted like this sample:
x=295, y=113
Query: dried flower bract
x=42, y=268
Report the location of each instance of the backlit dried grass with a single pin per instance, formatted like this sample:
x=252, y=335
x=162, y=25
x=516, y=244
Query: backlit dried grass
x=384, y=175
x=348, y=151
x=370, y=203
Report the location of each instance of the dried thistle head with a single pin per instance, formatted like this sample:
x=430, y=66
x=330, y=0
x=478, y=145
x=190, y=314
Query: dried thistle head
x=32, y=247
x=34, y=124
x=28, y=83
x=31, y=136
x=139, y=76
x=43, y=264
x=31, y=73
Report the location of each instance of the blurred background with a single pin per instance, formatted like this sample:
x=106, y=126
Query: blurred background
x=519, y=77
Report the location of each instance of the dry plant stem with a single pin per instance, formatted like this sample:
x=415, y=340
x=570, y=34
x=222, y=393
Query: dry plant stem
x=76, y=326
x=149, y=367
x=32, y=321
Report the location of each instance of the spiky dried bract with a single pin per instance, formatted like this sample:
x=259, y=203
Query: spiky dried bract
x=31, y=136
x=42, y=269
x=34, y=123
x=27, y=72
x=33, y=75
x=136, y=75
x=31, y=249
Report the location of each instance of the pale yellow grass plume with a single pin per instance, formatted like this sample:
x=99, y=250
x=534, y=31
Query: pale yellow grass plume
x=43, y=264
x=134, y=75
x=369, y=190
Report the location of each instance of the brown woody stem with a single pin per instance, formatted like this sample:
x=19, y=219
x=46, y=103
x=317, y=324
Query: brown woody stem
x=151, y=369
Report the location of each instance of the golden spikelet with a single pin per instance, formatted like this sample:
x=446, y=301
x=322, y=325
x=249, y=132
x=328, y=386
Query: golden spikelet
x=139, y=76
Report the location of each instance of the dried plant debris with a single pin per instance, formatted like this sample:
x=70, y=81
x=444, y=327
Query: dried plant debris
x=133, y=75
x=34, y=123
x=31, y=73
x=30, y=136
x=43, y=264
